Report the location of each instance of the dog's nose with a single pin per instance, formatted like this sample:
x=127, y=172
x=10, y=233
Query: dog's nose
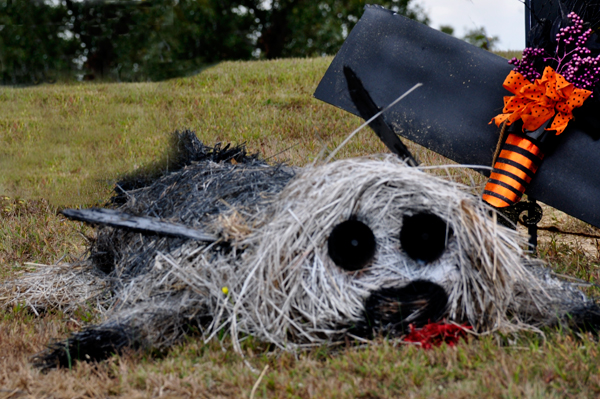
x=391, y=310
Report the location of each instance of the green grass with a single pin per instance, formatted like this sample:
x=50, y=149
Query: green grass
x=66, y=145
x=69, y=143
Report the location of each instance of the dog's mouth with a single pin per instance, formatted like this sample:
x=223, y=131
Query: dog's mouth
x=390, y=311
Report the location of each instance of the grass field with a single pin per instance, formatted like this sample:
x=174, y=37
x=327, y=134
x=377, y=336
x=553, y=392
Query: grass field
x=66, y=145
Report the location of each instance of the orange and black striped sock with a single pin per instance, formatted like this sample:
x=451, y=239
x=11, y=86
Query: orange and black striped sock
x=515, y=167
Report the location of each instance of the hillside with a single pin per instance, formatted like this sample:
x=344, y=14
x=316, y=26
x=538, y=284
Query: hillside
x=66, y=145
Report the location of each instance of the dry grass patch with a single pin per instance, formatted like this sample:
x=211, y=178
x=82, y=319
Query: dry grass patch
x=530, y=367
x=32, y=232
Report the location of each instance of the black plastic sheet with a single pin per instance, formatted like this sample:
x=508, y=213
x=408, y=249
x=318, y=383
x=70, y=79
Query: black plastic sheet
x=450, y=114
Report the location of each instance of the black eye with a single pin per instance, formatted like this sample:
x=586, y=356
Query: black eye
x=423, y=236
x=351, y=245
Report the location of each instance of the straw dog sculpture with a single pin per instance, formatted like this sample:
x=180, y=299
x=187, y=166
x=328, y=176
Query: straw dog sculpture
x=299, y=258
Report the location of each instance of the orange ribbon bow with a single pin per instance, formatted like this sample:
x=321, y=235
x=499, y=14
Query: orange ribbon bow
x=537, y=102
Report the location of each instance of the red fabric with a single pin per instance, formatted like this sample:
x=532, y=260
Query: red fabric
x=433, y=334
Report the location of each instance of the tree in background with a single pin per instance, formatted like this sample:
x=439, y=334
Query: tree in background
x=156, y=39
x=479, y=37
x=299, y=28
x=447, y=29
x=132, y=40
x=34, y=44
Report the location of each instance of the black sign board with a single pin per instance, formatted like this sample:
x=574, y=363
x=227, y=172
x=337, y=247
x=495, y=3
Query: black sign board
x=462, y=90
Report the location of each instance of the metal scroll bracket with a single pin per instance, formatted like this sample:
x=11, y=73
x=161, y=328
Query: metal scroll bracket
x=529, y=213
